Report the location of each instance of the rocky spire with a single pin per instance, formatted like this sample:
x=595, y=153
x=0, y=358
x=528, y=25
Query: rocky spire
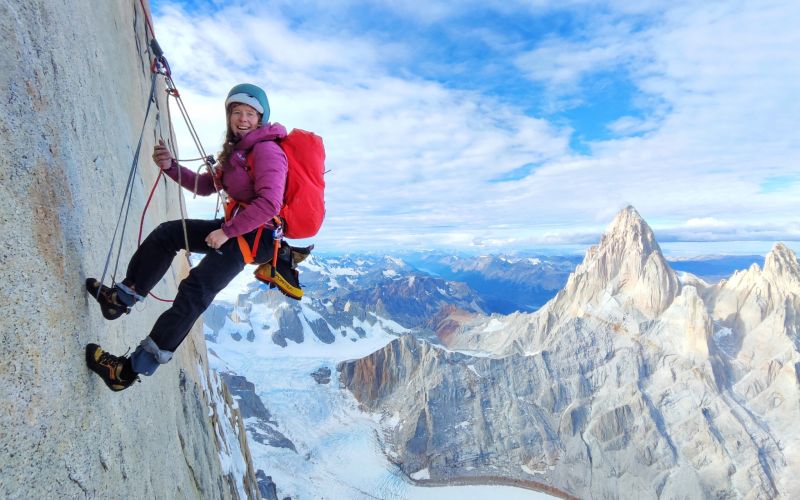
x=781, y=267
x=627, y=261
x=753, y=295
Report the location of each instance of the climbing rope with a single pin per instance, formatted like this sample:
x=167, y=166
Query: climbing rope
x=159, y=66
x=147, y=19
x=208, y=160
x=126, y=199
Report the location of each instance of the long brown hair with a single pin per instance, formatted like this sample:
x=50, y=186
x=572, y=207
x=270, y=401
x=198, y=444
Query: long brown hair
x=230, y=139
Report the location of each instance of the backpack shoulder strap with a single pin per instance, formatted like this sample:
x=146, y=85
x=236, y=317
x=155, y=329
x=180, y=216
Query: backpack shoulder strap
x=250, y=160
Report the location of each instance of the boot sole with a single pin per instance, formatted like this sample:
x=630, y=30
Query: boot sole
x=263, y=273
x=109, y=312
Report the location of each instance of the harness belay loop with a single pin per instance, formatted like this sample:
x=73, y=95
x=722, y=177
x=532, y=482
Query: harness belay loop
x=248, y=254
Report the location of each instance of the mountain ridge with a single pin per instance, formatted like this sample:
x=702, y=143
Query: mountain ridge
x=625, y=369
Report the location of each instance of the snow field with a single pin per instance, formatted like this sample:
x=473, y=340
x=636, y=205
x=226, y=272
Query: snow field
x=338, y=454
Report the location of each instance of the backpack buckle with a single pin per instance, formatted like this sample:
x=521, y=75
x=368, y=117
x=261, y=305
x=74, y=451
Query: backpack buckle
x=277, y=233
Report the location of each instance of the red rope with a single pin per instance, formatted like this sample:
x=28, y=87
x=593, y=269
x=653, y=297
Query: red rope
x=147, y=18
x=141, y=224
x=171, y=90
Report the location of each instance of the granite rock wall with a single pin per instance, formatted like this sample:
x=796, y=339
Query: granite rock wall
x=74, y=81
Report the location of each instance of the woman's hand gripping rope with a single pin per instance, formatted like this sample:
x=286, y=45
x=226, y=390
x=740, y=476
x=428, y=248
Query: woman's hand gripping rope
x=164, y=159
x=161, y=156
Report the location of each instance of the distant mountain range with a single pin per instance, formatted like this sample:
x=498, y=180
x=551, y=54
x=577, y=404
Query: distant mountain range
x=713, y=268
x=505, y=283
x=618, y=374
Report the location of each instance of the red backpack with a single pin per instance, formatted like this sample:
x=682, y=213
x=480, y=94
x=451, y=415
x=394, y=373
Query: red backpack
x=304, y=198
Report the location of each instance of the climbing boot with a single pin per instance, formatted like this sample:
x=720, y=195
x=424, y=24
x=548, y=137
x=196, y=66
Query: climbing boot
x=111, y=368
x=285, y=277
x=112, y=300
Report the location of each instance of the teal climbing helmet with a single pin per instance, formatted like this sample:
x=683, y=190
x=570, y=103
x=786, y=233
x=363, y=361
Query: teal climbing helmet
x=252, y=95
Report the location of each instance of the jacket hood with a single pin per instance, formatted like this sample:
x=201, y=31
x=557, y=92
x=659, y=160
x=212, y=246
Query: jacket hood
x=267, y=132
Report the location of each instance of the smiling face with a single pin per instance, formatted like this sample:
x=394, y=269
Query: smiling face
x=243, y=119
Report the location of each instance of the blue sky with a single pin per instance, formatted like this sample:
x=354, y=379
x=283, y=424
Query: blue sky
x=491, y=125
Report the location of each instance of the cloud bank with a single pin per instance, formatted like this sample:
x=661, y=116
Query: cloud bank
x=515, y=124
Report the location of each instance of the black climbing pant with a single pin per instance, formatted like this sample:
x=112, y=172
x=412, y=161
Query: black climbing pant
x=205, y=280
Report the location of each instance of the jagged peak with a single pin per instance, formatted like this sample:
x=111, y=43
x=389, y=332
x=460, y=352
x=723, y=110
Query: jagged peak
x=781, y=261
x=628, y=242
x=781, y=272
x=630, y=227
x=627, y=259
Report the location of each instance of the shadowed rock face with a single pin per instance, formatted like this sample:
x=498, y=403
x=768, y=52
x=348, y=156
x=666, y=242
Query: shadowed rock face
x=258, y=420
x=627, y=384
x=290, y=328
x=322, y=375
x=266, y=486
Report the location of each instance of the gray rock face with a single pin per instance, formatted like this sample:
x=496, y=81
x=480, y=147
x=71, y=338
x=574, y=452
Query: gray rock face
x=250, y=405
x=322, y=331
x=75, y=79
x=290, y=327
x=322, y=375
x=266, y=486
x=258, y=420
x=214, y=317
x=628, y=384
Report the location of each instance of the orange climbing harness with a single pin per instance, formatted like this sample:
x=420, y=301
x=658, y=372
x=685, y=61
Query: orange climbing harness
x=249, y=254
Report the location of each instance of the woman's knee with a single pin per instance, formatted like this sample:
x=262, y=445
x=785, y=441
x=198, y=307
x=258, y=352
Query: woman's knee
x=167, y=232
x=168, y=227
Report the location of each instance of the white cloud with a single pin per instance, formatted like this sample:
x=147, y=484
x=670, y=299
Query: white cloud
x=402, y=153
x=410, y=157
x=629, y=125
x=729, y=82
x=706, y=222
x=563, y=64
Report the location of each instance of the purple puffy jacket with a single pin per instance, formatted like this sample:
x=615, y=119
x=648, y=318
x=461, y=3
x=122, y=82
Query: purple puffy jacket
x=263, y=194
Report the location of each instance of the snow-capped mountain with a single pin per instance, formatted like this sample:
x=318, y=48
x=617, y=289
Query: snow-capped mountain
x=300, y=422
x=343, y=296
x=630, y=383
x=634, y=380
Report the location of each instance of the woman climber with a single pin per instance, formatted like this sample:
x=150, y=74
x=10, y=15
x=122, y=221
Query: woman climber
x=260, y=196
